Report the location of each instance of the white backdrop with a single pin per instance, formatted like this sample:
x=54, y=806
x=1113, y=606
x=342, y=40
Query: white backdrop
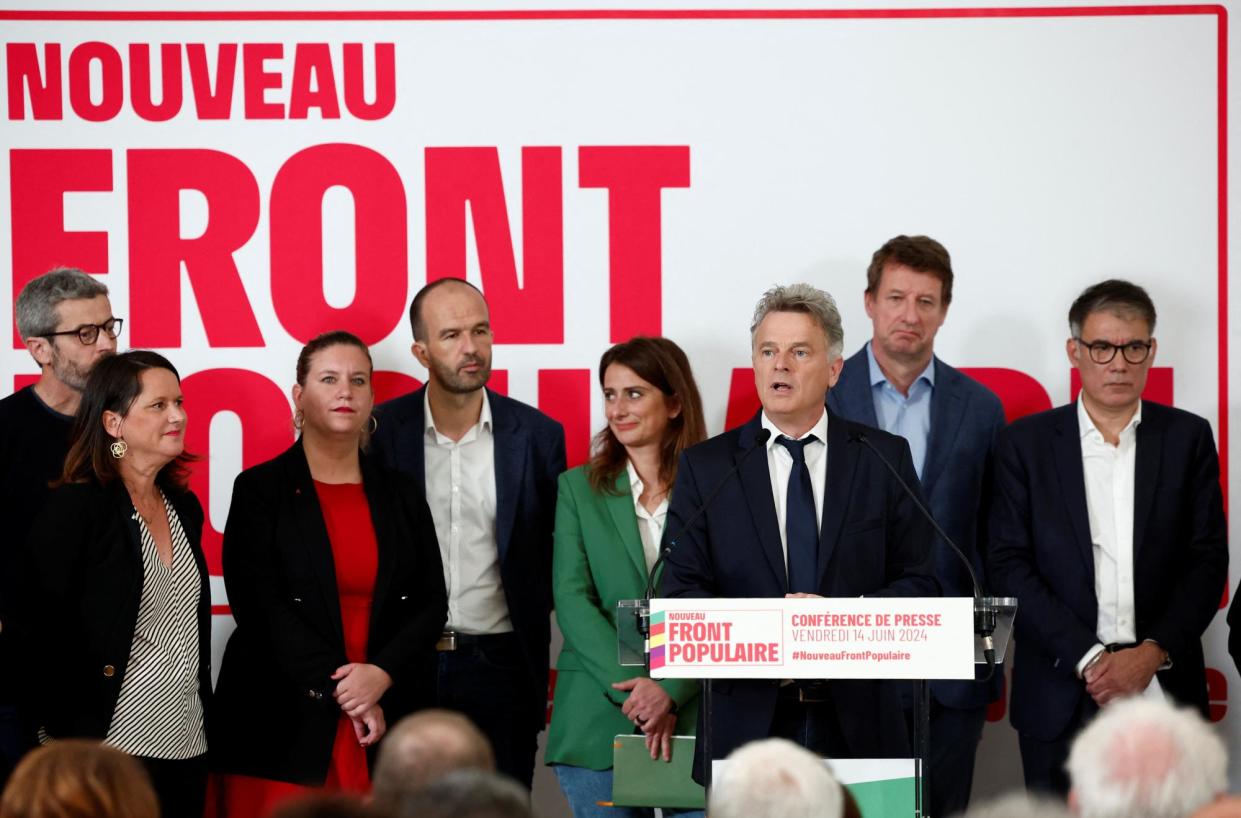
x=1046, y=149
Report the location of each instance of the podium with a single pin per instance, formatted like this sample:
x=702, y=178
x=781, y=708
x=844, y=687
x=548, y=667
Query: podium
x=888, y=638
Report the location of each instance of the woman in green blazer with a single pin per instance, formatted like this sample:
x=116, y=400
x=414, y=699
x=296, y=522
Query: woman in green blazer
x=609, y=522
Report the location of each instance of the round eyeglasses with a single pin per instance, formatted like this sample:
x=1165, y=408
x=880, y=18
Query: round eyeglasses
x=88, y=334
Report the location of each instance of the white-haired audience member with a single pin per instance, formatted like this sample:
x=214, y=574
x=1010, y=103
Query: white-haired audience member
x=775, y=778
x=1018, y=805
x=1144, y=758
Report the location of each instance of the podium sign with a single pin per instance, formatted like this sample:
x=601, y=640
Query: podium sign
x=821, y=638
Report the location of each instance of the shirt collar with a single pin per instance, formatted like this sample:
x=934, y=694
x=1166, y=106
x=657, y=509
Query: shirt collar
x=428, y=425
x=819, y=430
x=635, y=482
x=877, y=378
x=1086, y=427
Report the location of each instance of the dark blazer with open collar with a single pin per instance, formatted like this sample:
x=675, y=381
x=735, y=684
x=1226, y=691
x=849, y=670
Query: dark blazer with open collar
x=529, y=457
x=1041, y=552
x=81, y=588
x=956, y=479
x=873, y=542
x=276, y=717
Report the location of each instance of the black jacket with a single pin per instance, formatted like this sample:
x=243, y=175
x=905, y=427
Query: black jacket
x=275, y=716
x=81, y=586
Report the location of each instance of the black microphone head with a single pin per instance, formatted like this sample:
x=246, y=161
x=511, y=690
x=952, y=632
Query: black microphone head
x=762, y=437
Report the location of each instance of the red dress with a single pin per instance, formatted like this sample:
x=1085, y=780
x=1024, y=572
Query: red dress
x=356, y=555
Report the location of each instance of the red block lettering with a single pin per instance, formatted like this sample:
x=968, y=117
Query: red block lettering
x=113, y=86
x=389, y=385
x=22, y=62
x=743, y=402
x=266, y=431
x=157, y=249
x=314, y=83
x=258, y=80
x=140, y=81
x=217, y=103
x=530, y=312
x=1020, y=394
x=379, y=242
x=564, y=394
x=997, y=708
x=22, y=381
x=635, y=177
x=38, y=180
x=385, y=81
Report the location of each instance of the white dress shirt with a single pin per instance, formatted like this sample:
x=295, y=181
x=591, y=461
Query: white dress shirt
x=1109, y=472
x=780, y=465
x=461, y=491
x=650, y=525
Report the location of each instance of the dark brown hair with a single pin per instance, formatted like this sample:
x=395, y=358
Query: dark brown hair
x=115, y=382
x=321, y=342
x=921, y=254
x=416, y=325
x=1121, y=298
x=662, y=364
x=74, y=778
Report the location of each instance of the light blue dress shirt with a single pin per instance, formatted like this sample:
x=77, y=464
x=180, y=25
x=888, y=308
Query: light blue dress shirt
x=909, y=417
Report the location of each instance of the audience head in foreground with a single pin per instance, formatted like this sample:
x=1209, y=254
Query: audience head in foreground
x=468, y=794
x=78, y=779
x=1018, y=805
x=775, y=778
x=1142, y=758
x=422, y=748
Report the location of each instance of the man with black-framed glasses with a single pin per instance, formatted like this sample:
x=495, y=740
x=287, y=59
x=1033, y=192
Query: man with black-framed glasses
x=66, y=321
x=1108, y=526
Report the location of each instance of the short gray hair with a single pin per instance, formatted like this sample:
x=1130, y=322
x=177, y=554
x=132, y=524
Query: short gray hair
x=37, y=303
x=1142, y=758
x=810, y=300
x=1018, y=805
x=467, y=794
x=423, y=747
x=775, y=778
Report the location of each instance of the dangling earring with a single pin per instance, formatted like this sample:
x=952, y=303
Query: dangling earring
x=374, y=424
x=118, y=448
x=298, y=420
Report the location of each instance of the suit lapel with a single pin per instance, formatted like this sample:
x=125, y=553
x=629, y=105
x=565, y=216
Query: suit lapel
x=411, y=451
x=853, y=392
x=947, y=414
x=1067, y=452
x=512, y=441
x=309, y=516
x=621, y=510
x=1145, y=478
x=756, y=480
x=841, y=463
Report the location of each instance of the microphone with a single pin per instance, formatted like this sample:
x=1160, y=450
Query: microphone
x=984, y=612
x=759, y=440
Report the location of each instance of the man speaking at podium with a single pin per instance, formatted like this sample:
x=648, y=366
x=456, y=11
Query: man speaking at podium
x=802, y=509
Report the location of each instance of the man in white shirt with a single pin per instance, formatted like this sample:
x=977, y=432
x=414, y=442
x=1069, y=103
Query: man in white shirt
x=814, y=513
x=1108, y=526
x=488, y=466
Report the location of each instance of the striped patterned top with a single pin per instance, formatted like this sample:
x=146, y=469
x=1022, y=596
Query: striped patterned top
x=159, y=713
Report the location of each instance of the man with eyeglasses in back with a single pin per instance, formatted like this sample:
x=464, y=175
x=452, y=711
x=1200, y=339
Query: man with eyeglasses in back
x=1107, y=524
x=65, y=319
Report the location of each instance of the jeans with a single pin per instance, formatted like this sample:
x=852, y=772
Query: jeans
x=585, y=788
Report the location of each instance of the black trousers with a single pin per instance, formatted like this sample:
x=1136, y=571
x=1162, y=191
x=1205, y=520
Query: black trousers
x=180, y=786
x=486, y=678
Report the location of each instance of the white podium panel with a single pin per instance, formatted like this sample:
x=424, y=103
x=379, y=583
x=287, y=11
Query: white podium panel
x=820, y=638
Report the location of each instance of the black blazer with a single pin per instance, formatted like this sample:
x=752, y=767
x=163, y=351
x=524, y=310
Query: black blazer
x=275, y=716
x=872, y=542
x=1041, y=553
x=529, y=457
x=81, y=586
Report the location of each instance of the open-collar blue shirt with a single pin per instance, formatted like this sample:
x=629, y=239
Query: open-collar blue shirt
x=909, y=417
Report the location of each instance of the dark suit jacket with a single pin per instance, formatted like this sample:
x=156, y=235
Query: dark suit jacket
x=81, y=587
x=956, y=478
x=1041, y=552
x=873, y=542
x=529, y=456
x=276, y=717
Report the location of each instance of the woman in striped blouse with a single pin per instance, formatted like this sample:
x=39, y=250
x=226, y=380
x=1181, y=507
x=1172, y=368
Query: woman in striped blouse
x=117, y=615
